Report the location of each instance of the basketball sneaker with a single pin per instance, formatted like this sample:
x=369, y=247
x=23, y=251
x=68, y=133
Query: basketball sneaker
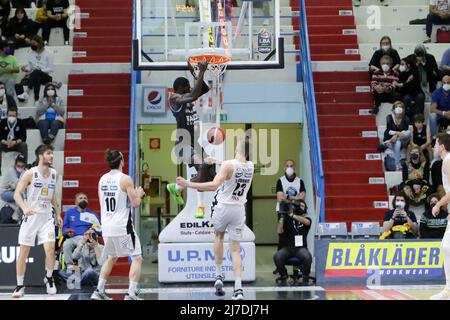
x=176, y=194
x=238, y=294
x=19, y=292
x=97, y=295
x=50, y=284
x=135, y=296
x=443, y=295
x=219, y=286
x=200, y=212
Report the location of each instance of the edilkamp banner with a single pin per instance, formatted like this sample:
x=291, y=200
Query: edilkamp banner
x=378, y=262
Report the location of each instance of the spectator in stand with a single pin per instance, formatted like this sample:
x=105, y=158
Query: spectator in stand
x=40, y=66
x=400, y=223
x=8, y=67
x=416, y=176
x=41, y=18
x=440, y=107
x=431, y=226
x=23, y=3
x=88, y=257
x=5, y=10
x=397, y=134
x=50, y=114
x=20, y=29
x=427, y=68
x=385, y=49
x=409, y=88
x=57, y=13
x=445, y=63
x=439, y=14
x=383, y=84
x=77, y=222
x=13, y=135
x=421, y=137
x=10, y=180
x=7, y=102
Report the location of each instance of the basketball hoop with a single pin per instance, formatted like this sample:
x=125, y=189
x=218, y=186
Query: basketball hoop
x=217, y=63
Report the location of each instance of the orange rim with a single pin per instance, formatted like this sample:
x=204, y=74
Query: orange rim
x=211, y=58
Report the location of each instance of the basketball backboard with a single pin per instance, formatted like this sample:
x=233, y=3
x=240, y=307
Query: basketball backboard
x=169, y=31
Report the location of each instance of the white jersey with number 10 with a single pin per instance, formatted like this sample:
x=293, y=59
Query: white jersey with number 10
x=114, y=205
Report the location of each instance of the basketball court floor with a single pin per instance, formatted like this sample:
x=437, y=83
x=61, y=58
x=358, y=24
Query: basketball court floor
x=264, y=288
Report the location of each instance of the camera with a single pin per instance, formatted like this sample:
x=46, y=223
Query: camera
x=93, y=237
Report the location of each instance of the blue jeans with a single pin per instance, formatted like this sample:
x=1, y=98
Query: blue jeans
x=8, y=196
x=46, y=125
x=89, y=277
x=434, y=118
x=434, y=19
x=398, y=145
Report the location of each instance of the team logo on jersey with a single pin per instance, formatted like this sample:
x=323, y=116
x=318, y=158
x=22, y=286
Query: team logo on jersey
x=51, y=186
x=113, y=188
x=38, y=185
x=291, y=192
x=239, y=172
x=104, y=188
x=44, y=192
x=248, y=173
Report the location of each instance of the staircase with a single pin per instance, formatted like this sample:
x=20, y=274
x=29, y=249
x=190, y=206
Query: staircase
x=349, y=195
x=98, y=104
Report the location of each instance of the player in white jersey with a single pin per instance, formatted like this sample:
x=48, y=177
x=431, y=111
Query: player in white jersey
x=39, y=183
x=116, y=192
x=442, y=149
x=228, y=212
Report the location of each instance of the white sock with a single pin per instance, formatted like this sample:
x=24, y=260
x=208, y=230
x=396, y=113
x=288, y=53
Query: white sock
x=178, y=187
x=218, y=270
x=49, y=273
x=132, y=288
x=237, y=283
x=101, y=285
x=200, y=199
x=20, y=280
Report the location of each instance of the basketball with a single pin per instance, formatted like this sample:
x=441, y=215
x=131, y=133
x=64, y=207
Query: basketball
x=216, y=136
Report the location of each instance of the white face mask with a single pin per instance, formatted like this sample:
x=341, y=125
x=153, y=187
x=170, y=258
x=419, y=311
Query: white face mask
x=446, y=87
x=400, y=204
x=385, y=67
x=2, y=92
x=386, y=48
x=50, y=93
x=398, y=110
x=289, y=171
x=11, y=119
x=402, y=68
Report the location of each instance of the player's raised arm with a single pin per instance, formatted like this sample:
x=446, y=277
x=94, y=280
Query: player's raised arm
x=199, y=89
x=224, y=173
x=134, y=194
x=24, y=181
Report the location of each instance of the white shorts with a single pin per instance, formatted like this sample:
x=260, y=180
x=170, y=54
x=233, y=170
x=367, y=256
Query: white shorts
x=230, y=218
x=122, y=246
x=40, y=225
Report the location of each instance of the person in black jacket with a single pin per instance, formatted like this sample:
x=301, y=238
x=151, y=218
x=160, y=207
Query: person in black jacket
x=13, y=135
x=5, y=10
x=6, y=101
x=385, y=49
x=433, y=227
x=20, y=29
x=409, y=88
x=427, y=68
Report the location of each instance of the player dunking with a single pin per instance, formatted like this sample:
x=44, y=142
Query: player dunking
x=115, y=191
x=232, y=183
x=442, y=149
x=39, y=182
x=187, y=147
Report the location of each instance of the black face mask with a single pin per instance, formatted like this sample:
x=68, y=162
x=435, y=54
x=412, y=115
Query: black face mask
x=34, y=47
x=83, y=204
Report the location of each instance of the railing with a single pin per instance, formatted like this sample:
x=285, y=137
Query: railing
x=133, y=142
x=311, y=112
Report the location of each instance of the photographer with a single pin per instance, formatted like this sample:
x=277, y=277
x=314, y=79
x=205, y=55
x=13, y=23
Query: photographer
x=293, y=228
x=400, y=223
x=87, y=258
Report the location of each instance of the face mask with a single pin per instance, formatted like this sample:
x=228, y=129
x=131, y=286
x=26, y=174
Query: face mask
x=402, y=68
x=11, y=119
x=385, y=67
x=414, y=156
x=50, y=93
x=398, y=110
x=399, y=205
x=20, y=169
x=2, y=92
x=385, y=48
x=34, y=47
x=446, y=87
x=289, y=171
x=83, y=204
